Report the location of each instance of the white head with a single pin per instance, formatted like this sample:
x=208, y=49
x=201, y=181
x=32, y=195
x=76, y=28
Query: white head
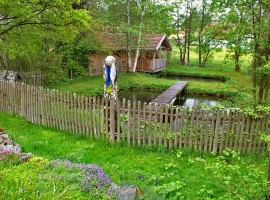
x=109, y=60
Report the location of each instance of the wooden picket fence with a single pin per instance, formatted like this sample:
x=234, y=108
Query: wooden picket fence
x=137, y=123
x=32, y=78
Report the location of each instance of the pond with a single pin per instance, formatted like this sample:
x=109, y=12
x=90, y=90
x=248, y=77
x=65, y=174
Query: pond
x=183, y=99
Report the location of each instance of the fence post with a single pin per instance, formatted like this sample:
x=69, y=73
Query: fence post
x=217, y=131
x=112, y=120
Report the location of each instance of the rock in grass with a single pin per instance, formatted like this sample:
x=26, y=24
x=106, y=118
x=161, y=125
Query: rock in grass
x=7, y=146
x=130, y=193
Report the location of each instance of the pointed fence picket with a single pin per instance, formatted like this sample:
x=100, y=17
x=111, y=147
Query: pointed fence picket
x=135, y=123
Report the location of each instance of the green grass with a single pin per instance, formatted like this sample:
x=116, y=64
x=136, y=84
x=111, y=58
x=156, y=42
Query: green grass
x=161, y=174
x=94, y=85
x=218, y=61
x=237, y=88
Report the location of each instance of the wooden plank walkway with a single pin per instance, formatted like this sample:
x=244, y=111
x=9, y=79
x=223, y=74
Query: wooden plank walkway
x=167, y=96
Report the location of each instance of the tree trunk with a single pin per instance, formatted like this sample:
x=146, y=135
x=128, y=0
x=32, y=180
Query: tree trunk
x=128, y=36
x=189, y=32
x=182, y=59
x=179, y=44
x=267, y=54
x=200, y=36
x=267, y=83
x=181, y=56
x=139, y=40
x=261, y=89
x=185, y=43
x=237, y=65
x=206, y=57
x=200, y=52
x=268, y=168
x=255, y=58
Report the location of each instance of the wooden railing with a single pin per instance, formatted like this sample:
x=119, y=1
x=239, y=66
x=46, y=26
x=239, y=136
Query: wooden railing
x=147, y=65
x=159, y=63
x=136, y=123
x=93, y=71
x=32, y=78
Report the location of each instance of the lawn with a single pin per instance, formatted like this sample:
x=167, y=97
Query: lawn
x=160, y=174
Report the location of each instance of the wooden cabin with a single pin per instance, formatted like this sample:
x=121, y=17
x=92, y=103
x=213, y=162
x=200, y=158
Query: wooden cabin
x=152, y=58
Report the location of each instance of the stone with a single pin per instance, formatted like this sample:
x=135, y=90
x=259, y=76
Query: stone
x=129, y=193
x=6, y=144
x=12, y=148
x=25, y=157
x=4, y=136
x=112, y=190
x=9, y=142
x=2, y=146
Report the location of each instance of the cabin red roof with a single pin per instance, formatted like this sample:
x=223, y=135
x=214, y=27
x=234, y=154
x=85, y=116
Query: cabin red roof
x=158, y=41
x=151, y=42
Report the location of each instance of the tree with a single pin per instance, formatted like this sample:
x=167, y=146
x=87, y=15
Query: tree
x=133, y=19
x=263, y=73
x=46, y=15
x=189, y=10
x=128, y=17
x=26, y=25
x=234, y=29
x=118, y=17
x=259, y=18
x=154, y=18
x=204, y=20
x=252, y=21
x=179, y=38
x=209, y=44
x=143, y=8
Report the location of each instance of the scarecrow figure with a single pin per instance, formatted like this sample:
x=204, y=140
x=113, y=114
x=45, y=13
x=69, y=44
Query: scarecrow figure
x=110, y=77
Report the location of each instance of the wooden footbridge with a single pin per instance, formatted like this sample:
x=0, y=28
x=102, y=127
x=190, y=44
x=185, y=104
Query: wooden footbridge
x=167, y=96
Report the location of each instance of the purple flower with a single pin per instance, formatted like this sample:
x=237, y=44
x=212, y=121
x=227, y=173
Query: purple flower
x=94, y=178
x=91, y=176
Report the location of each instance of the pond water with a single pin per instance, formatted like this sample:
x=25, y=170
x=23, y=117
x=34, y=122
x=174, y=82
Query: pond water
x=183, y=99
x=194, y=100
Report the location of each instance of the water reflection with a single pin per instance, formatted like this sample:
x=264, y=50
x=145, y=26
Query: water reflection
x=182, y=99
x=195, y=99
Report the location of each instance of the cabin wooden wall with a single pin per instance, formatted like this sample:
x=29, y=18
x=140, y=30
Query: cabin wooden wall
x=147, y=62
x=96, y=62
